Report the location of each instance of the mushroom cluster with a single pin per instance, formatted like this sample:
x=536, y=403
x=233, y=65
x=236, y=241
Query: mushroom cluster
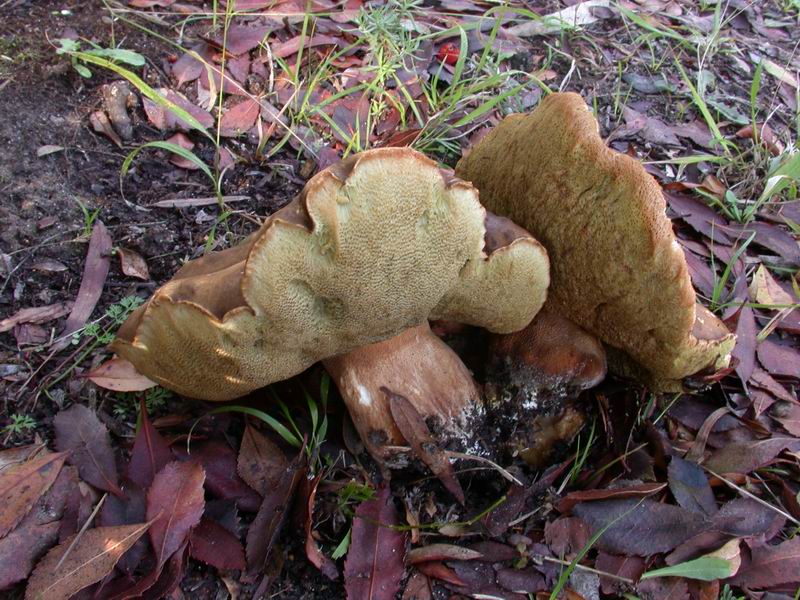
x=350, y=272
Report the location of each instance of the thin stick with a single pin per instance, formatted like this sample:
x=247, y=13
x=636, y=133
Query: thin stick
x=80, y=533
x=743, y=491
x=589, y=569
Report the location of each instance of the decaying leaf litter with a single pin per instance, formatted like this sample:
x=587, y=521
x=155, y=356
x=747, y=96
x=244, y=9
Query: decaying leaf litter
x=660, y=495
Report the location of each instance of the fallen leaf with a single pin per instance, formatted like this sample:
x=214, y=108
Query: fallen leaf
x=636, y=491
x=745, y=457
x=165, y=119
x=102, y=124
x=175, y=503
x=260, y=463
x=214, y=545
x=325, y=565
x=788, y=415
x=746, y=340
x=418, y=587
x=222, y=480
x=182, y=140
x=95, y=271
x=38, y=531
x=771, y=566
x=37, y=314
x=23, y=484
x=239, y=118
x=765, y=290
x=204, y=201
x=11, y=457
x=689, y=485
x=570, y=17
x=91, y=559
x=243, y=38
x=20, y=549
x=133, y=264
x=189, y=67
x=498, y=520
x=639, y=527
x=79, y=432
x=416, y=432
x=664, y=588
x=374, y=565
x=436, y=570
x=720, y=564
x=521, y=581
x=780, y=72
x=150, y=452
x=48, y=265
x=119, y=375
x=48, y=149
x=441, y=552
x=127, y=511
x=566, y=536
x=271, y=515
x=630, y=567
x=293, y=45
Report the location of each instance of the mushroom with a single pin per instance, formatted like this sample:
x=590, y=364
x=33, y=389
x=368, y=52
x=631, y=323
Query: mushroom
x=349, y=273
x=617, y=270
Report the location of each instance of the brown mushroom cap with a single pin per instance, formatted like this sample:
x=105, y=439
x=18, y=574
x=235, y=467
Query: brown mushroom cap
x=617, y=270
x=371, y=247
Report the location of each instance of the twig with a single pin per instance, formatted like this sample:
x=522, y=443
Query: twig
x=743, y=491
x=589, y=569
x=80, y=533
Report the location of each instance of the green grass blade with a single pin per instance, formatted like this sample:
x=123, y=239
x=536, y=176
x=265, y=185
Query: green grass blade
x=175, y=149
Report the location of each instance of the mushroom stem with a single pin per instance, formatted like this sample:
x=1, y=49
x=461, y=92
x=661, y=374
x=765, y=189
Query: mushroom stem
x=415, y=364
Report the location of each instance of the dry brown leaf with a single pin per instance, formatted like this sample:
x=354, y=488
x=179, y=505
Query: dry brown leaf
x=22, y=484
x=91, y=559
x=119, y=375
x=133, y=264
x=36, y=314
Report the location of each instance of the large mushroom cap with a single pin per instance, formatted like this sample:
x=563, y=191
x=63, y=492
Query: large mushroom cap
x=372, y=246
x=616, y=268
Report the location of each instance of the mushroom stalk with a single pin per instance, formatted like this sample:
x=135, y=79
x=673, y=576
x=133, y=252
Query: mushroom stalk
x=415, y=364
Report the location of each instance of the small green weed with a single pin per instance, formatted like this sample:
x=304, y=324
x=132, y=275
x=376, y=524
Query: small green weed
x=78, y=57
x=20, y=425
x=89, y=217
x=127, y=405
x=97, y=333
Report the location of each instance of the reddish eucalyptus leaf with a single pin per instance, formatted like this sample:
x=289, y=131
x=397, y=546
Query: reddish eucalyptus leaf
x=214, y=545
x=36, y=314
x=175, y=504
x=20, y=549
x=163, y=118
x=788, y=415
x=438, y=570
x=243, y=38
x=119, y=375
x=83, y=435
x=745, y=457
x=160, y=582
x=374, y=565
x=326, y=566
x=630, y=567
x=188, y=68
x=260, y=462
x=639, y=527
x=95, y=271
x=413, y=427
x=771, y=566
x=271, y=515
x=239, y=118
x=418, y=587
x=184, y=141
x=150, y=452
x=497, y=521
x=441, y=552
x=745, y=350
x=23, y=484
x=91, y=559
x=664, y=588
x=636, y=491
x=566, y=536
x=293, y=45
